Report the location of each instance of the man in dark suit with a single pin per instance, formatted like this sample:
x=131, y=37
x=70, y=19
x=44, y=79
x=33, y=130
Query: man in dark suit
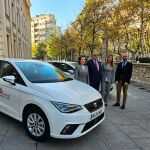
x=122, y=78
x=95, y=71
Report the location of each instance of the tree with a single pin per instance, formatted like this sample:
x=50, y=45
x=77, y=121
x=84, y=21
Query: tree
x=38, y=51
x=78, y=27
x=109, y=26
x=53, y=46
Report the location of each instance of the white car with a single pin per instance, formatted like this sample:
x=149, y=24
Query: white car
x=47, y=101
x=67, y=67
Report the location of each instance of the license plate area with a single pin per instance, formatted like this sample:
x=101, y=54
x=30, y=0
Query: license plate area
x=96, y=114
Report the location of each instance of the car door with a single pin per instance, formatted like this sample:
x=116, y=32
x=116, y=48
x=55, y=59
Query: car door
x=10, y=94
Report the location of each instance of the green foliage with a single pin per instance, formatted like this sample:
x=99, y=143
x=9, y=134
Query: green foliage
x=124, y=23
x=38, y=51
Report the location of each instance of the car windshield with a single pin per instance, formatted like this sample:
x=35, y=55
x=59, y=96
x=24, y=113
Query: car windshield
x=40, y=72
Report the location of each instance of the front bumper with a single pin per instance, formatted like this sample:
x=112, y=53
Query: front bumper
x=66, y=126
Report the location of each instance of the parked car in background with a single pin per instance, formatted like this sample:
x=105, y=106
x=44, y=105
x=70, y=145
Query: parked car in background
x=48, y=102
x=67, y=67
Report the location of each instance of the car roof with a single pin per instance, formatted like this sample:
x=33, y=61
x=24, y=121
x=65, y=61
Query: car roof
x=61, y=61
x=18, y=60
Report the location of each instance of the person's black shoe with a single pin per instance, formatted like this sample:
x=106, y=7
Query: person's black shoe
x=123, y=107
x=116, y=104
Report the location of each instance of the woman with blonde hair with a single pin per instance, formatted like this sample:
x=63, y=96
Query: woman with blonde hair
x=107, y=78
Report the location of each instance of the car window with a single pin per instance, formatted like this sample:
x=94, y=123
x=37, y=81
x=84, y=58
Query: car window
x=40, y=72
x=8, y=69
x=58, y=65
x=65, y=67
x=74, y=64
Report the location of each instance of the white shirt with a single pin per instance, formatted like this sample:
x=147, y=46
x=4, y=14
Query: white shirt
x=124, y=63
x=83, y=67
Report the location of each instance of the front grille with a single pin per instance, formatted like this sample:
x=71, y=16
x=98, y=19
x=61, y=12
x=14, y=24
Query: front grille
x=93, y=106
x=92, y=123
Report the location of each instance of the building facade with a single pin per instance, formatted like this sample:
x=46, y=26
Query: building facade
x=42, y=27
x=15, y=29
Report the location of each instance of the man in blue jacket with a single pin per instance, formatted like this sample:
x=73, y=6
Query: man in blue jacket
x=95, y=71
x=122, y=78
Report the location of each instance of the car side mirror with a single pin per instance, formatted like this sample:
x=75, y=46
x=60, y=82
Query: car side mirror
x=71, y=71
x=9, y=79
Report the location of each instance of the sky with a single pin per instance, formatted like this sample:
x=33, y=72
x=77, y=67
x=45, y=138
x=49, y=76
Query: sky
x=65, y=11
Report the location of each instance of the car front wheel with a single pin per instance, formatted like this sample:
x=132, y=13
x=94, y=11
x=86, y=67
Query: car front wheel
x=36, y=124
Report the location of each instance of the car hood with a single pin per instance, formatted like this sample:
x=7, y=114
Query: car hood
x=73, y=92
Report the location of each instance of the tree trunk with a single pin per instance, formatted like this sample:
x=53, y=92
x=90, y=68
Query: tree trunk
x=93, y=39
x=104, y=48
x=140, y=45
x=79, y=50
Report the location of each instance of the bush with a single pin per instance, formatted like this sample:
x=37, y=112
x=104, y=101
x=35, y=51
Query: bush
x=144, y=60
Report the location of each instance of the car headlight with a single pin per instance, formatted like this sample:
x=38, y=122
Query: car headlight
x=66, y=108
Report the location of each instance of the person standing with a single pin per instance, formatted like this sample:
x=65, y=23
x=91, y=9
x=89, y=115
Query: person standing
x=81, y=72
x=122, y=78
x=108, y=78
x=137, y=56
x=95, y=71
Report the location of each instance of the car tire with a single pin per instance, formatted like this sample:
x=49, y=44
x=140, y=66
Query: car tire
x=36, y=124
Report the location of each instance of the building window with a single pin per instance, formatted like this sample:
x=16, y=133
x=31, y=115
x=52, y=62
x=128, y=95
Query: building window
x=5, y=1
x=8, y=48
x=18, y=20
x=19, y=50
x=6, y=7
x=15, y=48
x=13, y=13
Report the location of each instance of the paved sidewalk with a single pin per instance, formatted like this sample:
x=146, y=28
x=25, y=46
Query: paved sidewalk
x=127, y=129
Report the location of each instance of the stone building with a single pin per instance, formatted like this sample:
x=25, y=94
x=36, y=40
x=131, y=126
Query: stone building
x=15, y=29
